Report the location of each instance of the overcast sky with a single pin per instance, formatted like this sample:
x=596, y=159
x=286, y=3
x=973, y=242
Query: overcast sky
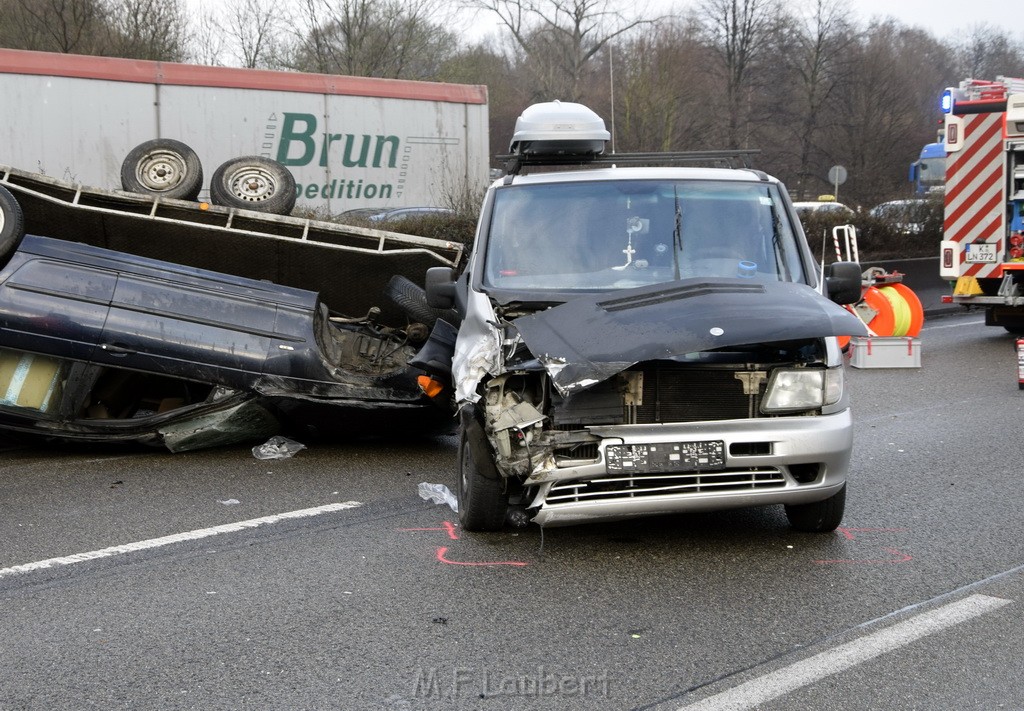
x=943, y=17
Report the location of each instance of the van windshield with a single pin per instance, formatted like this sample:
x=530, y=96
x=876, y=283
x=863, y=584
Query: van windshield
x=605, y=235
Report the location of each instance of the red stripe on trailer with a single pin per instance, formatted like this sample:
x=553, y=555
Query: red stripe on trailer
x=974, y=142
x=978, y=228
x=990, y=189
x=974, y=190
x=988, y=161
x=981, y=151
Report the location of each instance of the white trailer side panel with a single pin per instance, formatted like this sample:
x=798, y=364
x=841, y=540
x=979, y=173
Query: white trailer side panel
x=350, y=142
x=72, y=129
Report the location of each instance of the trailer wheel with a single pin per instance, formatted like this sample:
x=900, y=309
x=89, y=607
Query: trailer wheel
x=483, y=500
x=820, y=516
x=254, y=183
x=412, y=300
x=163, y=167
x=12, y=224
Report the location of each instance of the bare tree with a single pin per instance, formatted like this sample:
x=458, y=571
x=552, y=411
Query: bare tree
x=52, y=25
x=987, y=52
x=881, y=120
x=662, y=89
x=206, y=41
x=507, y=93
x=818, y=44
x=255, y=28
x=560, y=38
x=738, y=31
x=147, y=29
x=380, y=38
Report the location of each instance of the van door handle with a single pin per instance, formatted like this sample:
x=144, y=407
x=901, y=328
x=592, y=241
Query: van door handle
x=116, y=349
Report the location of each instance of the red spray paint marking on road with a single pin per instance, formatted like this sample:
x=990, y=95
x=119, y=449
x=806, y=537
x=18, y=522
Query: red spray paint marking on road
x=441, y=556
x=442, y=552
x=897, y=556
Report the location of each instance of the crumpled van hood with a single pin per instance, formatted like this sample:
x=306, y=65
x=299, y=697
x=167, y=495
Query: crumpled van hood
x=593, y=337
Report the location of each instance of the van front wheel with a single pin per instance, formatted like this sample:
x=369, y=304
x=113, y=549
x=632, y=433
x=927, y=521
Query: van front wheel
x=483, y=498
x=820, y=516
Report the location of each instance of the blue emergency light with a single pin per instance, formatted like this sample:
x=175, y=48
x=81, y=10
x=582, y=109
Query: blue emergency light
x=947, y=101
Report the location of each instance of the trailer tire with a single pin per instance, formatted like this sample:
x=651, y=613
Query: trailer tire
x=163, y=167
x=254, y=183
x=483, y=499
x=820, y=516
x=412, y=300
x=12, y=224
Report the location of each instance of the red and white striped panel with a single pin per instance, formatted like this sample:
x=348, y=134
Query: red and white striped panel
x=975, y=185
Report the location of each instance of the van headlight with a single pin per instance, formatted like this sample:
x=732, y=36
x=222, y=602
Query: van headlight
x=802, y=389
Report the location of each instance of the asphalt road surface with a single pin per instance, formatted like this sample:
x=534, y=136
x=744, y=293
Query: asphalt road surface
x=212, y=580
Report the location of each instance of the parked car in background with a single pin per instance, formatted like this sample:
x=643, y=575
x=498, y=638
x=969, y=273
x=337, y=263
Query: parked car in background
x=405, y=213
x=361, y=213
x=906, y=216
x=823, y=207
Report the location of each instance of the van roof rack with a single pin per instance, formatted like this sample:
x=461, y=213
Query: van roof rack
x=514, y=163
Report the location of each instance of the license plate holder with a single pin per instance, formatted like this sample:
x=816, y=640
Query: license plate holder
x=980, y=253
x=653, y=458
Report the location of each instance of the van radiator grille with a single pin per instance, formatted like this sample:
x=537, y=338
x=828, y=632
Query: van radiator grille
x=649, y=485
x=676, y=393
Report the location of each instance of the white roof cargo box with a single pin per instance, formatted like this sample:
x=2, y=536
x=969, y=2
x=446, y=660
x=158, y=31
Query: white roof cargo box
x=557, y=128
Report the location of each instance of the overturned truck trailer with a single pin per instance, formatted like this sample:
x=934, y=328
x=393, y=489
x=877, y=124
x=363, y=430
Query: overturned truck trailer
x=125, y=317
x=350, y=142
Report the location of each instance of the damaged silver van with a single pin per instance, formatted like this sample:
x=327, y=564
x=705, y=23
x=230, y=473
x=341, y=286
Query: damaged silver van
x=638, y=340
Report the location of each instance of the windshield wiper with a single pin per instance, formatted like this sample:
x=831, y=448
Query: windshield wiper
x=677, y=235
x=777, y=241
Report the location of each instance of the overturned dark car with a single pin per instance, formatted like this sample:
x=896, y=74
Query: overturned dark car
x=102, y=345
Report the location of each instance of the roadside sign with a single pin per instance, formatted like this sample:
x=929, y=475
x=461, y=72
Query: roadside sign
x=836, y=176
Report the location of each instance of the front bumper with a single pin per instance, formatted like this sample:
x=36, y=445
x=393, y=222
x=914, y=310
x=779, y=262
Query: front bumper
x=785, y=460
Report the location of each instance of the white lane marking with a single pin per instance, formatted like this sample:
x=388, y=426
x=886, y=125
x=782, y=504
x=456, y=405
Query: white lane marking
x=778, y=683
x=177, y=538
x=954, y=325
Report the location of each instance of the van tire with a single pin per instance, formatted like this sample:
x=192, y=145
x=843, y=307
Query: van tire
x=163, y=167
x=820, y=516
x=254, y=183
x=412, y=300
x=483, y=499
x=12, y=224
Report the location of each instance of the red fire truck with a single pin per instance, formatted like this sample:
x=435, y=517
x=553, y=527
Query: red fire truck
x=983, y=229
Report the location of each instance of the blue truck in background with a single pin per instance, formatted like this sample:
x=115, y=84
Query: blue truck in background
x=928, y=172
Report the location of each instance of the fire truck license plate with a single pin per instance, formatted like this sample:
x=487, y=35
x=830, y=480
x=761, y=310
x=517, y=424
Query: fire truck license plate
x=665, y=457
x=981, y=252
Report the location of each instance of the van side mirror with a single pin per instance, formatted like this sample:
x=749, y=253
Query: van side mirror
x=843, y=282
x=440, y=287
